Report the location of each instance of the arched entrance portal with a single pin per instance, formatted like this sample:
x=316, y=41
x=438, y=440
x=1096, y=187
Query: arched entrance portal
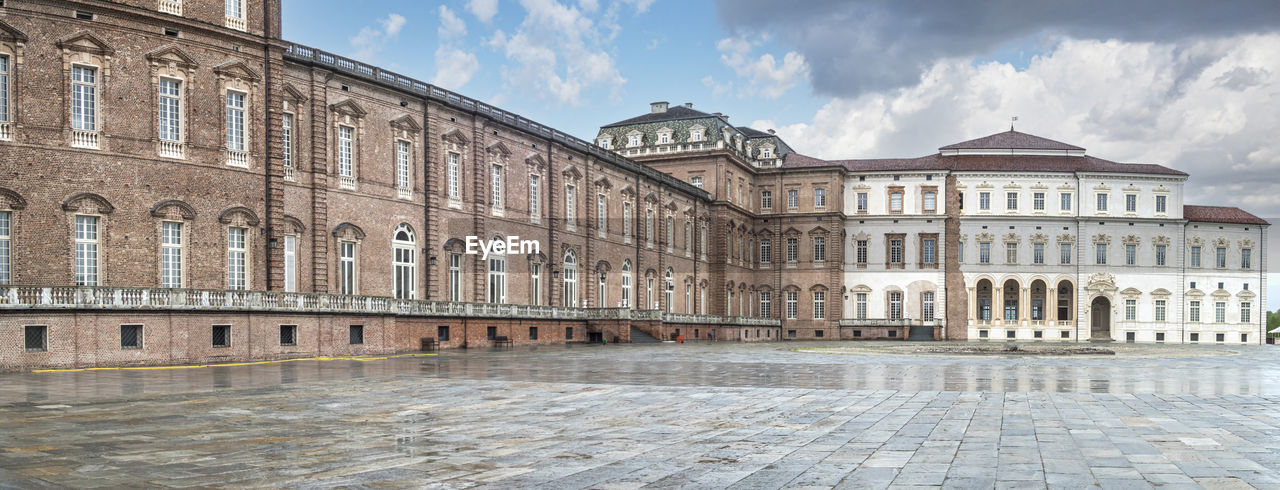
x=1100, y=319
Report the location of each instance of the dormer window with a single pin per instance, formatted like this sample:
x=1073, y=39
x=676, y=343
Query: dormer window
x=633, y=140
x=766, y=153
x=604, y=142
x=664, y=138
x=695, y=136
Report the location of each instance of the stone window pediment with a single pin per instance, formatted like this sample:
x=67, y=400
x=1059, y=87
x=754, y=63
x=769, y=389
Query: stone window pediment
x=985, y=237
x=1160, y=240
x=1039, y=238
x=173, y=208
x=292, y=92
x=12, y=199
x=455, y=137
x=86, y=42
x=407, y=125
x=1012, y=238
x=572, y=173
x=348, y=108
x=1132, y=240
x=88, y=202
x=237, y=70
x=1066, y=238
x=1100, y=238
x=1196, y=241
x=238, y=216
x=173, y=57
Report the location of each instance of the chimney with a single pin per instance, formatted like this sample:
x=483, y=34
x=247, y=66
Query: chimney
x=688, y=105
x=771, y=131
x=658, y=107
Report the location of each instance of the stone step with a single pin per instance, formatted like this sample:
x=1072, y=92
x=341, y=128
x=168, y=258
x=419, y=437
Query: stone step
x=639, y=337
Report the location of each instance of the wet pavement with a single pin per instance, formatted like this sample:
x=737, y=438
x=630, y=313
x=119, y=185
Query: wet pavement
x=660, y=415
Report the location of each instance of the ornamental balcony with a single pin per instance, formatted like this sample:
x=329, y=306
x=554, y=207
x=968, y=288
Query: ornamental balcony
x=171, y=149
x=404, y=193
x=290, y=173
x=347, y=182
x=81, y=138
x=236, y=23
x=237, y=158
x=6, y=131
x=171, y=7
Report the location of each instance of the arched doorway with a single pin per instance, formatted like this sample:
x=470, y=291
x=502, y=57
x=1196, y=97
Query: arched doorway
x=1010, y=302
x=1100, y=319
x=1064, y=302
x=984, y=301
x=1037, y=300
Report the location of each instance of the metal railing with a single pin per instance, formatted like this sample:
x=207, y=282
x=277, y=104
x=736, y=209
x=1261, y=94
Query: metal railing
x=305, y=54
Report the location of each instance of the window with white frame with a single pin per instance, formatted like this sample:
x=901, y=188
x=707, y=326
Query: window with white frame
x=495, y=186
x=1037, y=253
x=926, y=308
x=633, y=140
x=1160, y=254
x=792, y=305
x=664, y=138
x=403, y=263
x=766, y=250
x=793, y=198
x=535, y=284
x=170, y=254
x=860, y=306
x=1193, y=312
x=1102, y=202
x=4, y=89
x=455, y=177
x=1101, y=256
x=602, y=214
x=1037, y=201
x=455, y=277
x=1246, y=312
x=960, y=251
x=648, y=228
x=895, y=305
x=793, y=249
x=84, y=98
x=819, y=198
x=286, y=143
x=668, y=291
x=403, y=150
x=671, y=230
x=766, y=200
x=1012, y=201
x=819, y=305
x=930, y=202
x=702, y=241
x=535, y=203
x=819, y=249
x=170, y=109
x=1162, y=308
x=346, y=267
x=1064, y=201
x=570, y=207
x=1220, y=257
x=895, y=202
x=290, y=263
x=1131, y=203
x=1162, y=204
x=1195, y=256
x=626, y=284
x=696, y=181
x=984, y=252
x=6, y=248
x=861, y=252
x=984, y=201
x=570, y=279
x=346, y=139
x=236, y=123
x=1220, y=312
x=1010, y=253
x=86, y=241
x=237, y=258
x=688, y=237
x=604, y=143
x=766, y=306
x=602, y=290
x=897, y=254
x=497, y=278
x=929, y=252
x=235, y=9
x=695, y=135
x=1130, y=310
x=626, y=222
x=1246, y=258
x=1065, y=254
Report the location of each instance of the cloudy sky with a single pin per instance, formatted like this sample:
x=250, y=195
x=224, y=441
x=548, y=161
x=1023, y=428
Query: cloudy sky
x=1187, y=84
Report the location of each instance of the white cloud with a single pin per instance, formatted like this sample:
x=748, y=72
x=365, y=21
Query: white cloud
x=484, y=10
x=372, y=39
x=451, y=27
x=559, y=51
x=766, y=77
x=454, y=67
x=1202, y=107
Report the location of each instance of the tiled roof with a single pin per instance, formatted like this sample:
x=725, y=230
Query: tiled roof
x=1220, y=214
x=983, y=163
x=752, y=132
x=1011, y=140
x=672, y=113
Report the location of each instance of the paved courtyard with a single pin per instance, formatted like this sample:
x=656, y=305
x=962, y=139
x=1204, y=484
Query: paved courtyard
x=664, y=415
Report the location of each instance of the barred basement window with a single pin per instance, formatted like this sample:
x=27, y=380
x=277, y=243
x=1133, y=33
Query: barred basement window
x=819, y=333
x=37, y=337
x=131, y=336
x=1159, y=336
x=357, y=334
x=222, y=335
x=1195, y=337
x=288, y=335
x=491, y=333
x=1065, y=334
x=857, y=333
x=1220, y=338
x=982, y=334
x=1010, y=334
x=893, y=334
x=1039, y=334
x=1130, y=337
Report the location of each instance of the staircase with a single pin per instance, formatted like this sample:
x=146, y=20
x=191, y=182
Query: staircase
x=639, y=337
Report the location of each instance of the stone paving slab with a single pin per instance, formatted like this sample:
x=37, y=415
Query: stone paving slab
x=428, y=422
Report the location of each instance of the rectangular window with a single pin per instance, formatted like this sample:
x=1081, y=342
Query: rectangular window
x=1162, y=310
x=86, y=250
x=1130, y=254
x=1220, y=311
x=1010, y=253
x=6, y=231
x=1101, y=256
x=1246, y=312
x=1246, y=258
x=696, y=181
x=4, y=88
x=929, y=252
x=402, y=165
x=792, y=304
x=1065, y=253
x=1195, y=256
x=1011, y=199
x=984, y=252
x=131, y=336
x=570, y=207
x=793, y=199
x=290, y=263
x=535, y=204
x=497, y=279
x=37, y=338
x=455, y=177
x=895, y=202
x=862, y=202
x=1162, y=204
x=1160, y=254
x=347, y=268
x=930, y=202
x=535, y=285
x=442, y=333
x=819, y=249
x=766, y=200
x=1193, y=313
x=895, y=305
x=819, y=305
x=895, y=252
x=1102, y=202
x=346, y=135
x=533, y=333
x=926, y=309
x=819, y=198
x=860, y=310
x=170, y=254
x=222, y=335
x=288, y=335
x=766, y=251
x=1037, y=253
x=1037, y=201
x=236, y=123
x=170, y=109
x=235, y=9
x=286, y=139
x=455, y=277
x=568, y=333
x=766, y=304
x=960, y=251
x=1130, y=310
x=984, y=201
x=627, y=230
x=1064, y=201
x=1220, y=257
x=84, y=98
x=793, y=249
x=602, y=223
x=495, y=186
x=1131, y=203
x=356, y=334
x=862, y=252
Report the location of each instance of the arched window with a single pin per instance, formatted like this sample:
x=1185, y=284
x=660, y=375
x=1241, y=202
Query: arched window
x=671, y=287
x=403, y=262
x=570, y=279
x=626, y=284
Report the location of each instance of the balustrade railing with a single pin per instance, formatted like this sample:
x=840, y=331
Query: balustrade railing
x=236, y=23
x=721, y=320
x=347, y=182
x=6, y=131
x=171, y=149
x=237, y=158
x=84, y=139
x=886, y=322
x=171, y=7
